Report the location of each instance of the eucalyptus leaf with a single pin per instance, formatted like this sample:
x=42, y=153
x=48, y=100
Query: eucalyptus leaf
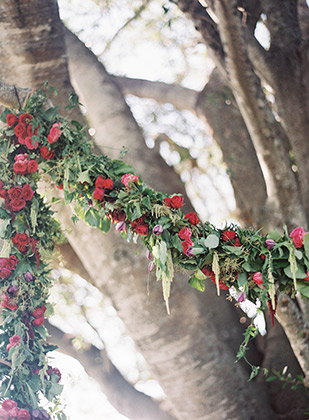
x=212, y=241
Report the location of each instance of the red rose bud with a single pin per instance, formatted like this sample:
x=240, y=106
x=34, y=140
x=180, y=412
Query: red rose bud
x=211, y=274
x=192, y=218
x=39, y=311
x=257, y=278
x=27, y=192
x=11, y=119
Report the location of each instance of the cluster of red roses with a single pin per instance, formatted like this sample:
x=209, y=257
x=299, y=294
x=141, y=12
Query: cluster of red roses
x=139, y=226
x=101, y=185
x=174, y=202
x=22, y=242
x=23, y=129
x=38, y=315
x=10, y=411
x=16, y=197
x=7, y=266
x=231, y=237
x=23, y=165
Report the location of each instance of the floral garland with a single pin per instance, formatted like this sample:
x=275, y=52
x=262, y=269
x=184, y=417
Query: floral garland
x=35, y=142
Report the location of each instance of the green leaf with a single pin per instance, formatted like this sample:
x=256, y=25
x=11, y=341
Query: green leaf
x=275, y=235
x=119, y=167
x=212, y=241
x=303, y=288
x=242, y=279
x=84, y=177
x=300, y=273
x=105, y=224
x=92, y=218
x=146, y=202
x=236, y=250
x=34, y=402
x=306, y=244
x=176, y=242
x=3, y=225
x=51, y=113
x=197, y=283
x=54, y=391
x=136, y=212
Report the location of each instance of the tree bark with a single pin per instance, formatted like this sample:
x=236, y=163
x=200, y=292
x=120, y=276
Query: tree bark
x=122, y=395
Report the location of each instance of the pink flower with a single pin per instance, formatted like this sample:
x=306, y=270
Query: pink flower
x=15, y=340
x=98, y=194
x=54, y=133
x=127, y=179
x=8, y=405
x=4, y=415
x=297, y=235
x=258, y=278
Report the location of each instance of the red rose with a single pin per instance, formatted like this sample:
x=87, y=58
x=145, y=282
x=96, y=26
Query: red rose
x=185, y=233
x=99, y=183
x=15, y=193
x=98, y=194
x=21, y=156
x=20, y=130
x=142, y=229
x=39, y=311
x=237, y=242
x=108, y=183
x=2, y=193
x=23, y=414
x=211, y=274
x=31, y=144
x=228, y=235
x=297, y=235
x=25, y=118
x=9, y=303
x=31, y=132
x=20, y=239
x=5, y=272
x=46, y=153
x=54, y=133
x=12, y=262
x=27, y=192
x=20, y=167
x=32, y=166
x=138, y=221
x=38, y=322
x=192, y=218
x=257, y=278
x=174, y=202
x=17, y=205
x=186, y=245
x=11, y=119
x=118, y=216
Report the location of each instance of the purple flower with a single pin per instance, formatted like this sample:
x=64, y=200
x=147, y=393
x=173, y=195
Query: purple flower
x=28, y=276
x=269, y=243
x=39, y=414
x=157, y=230
x=148, y=255
x=12, y=290
x=151, y=266
x=121, y=226
x=190, y=252
x=241, y=297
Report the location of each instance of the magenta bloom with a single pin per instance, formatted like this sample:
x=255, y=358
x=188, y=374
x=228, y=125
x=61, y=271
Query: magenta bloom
x=297, y=235
x=157, y=230
x=257, y=278
x=269, y=243
x=128, y=178
x=121, y=227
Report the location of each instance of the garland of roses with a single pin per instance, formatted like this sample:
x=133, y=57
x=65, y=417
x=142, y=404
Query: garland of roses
x=36, y=141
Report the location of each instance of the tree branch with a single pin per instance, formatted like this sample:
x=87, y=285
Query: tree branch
x=268, y=137
x=122, y=395
x=13, y=97
x=179, y=96
x=207, y=28
x=282, y=23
